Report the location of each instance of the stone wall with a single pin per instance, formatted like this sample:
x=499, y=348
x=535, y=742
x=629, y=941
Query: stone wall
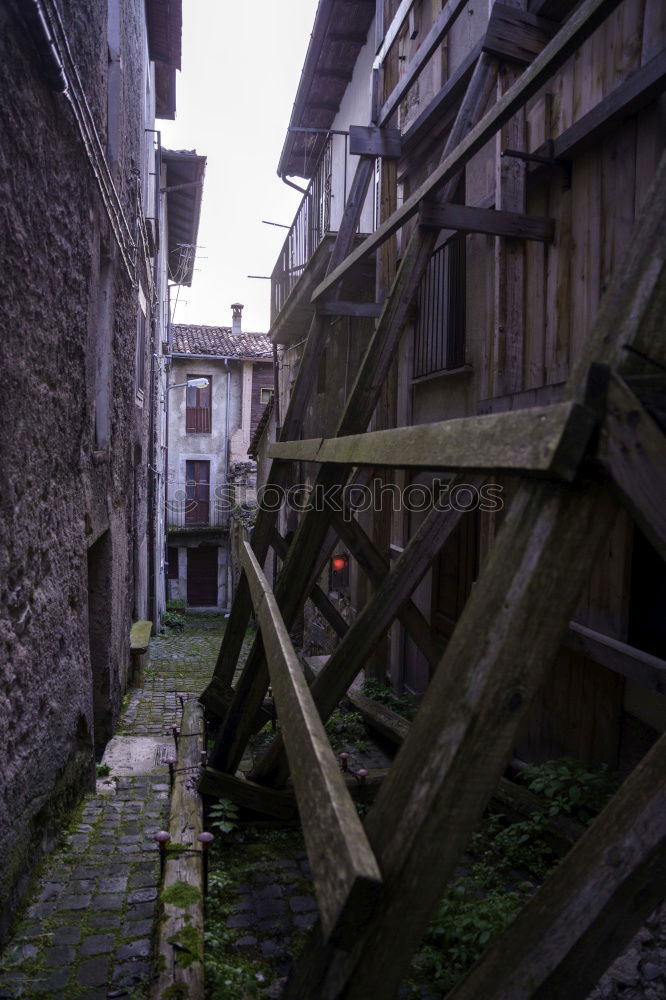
x=67, y=507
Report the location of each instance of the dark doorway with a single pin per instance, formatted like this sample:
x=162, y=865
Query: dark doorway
x=202, y=576
x=99, y=637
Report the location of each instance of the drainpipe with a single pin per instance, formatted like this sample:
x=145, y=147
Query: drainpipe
x=276, y=393
x=226, y=480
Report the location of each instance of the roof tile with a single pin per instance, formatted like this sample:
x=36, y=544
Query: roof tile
x=197, y=340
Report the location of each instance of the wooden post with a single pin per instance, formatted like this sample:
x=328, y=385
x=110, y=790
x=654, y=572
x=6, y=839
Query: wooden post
x=181, y=928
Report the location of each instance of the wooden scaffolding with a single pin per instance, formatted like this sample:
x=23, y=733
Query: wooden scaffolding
x=378, y=883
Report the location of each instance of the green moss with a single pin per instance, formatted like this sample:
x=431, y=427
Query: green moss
x=177, y=991
x=189, y=946
x=181, y=894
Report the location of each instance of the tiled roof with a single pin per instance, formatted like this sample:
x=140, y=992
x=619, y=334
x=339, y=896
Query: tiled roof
x=197, y=340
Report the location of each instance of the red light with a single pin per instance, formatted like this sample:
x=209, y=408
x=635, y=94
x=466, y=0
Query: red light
x=339, y=563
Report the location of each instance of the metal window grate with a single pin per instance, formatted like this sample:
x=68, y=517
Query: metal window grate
x=440, y=327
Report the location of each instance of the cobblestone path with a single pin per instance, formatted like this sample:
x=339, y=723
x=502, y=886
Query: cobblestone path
x=86, y=932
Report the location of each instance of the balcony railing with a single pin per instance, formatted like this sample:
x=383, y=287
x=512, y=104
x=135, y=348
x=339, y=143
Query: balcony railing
x=196, y=505
x=312, y=222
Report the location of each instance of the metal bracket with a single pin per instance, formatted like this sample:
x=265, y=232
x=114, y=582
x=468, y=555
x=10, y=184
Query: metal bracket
x=550, y=160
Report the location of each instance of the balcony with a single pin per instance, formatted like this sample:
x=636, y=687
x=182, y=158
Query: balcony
x=193, y=506
x=303, y=259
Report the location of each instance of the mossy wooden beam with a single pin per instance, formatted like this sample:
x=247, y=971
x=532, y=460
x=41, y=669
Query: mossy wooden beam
x=180, y=934
x=345, y=872
x=546, y=440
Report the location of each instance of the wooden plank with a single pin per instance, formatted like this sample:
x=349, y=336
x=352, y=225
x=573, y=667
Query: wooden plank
x=278, y=476
x=631, y=96
x=570, y=37
x=247, y=794
x=341, y=308
x=442, y=107
x=395, y=583
x=427, y=48
x=181, y=929
x=295, y=581
x=637, y=665
x=345, y=872
x=632, y=450
x=508, y=347
x=467, y=219
x=548, y=440
x=393, y=30
x=377, y=569
x=570, y=931
x=516, y=34
x=370, y=140
x=317, y=595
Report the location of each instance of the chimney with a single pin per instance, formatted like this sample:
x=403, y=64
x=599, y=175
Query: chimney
x=236, y=314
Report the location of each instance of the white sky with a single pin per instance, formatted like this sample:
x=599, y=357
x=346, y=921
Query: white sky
x=240, y=69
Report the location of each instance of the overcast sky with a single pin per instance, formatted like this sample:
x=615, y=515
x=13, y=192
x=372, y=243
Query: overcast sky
x=240, y=70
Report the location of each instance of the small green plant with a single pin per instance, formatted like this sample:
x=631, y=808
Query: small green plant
x=176, y=604
x=571, y=787
x=171, y=619
x=345, y=728
x=402, y=704
x=465, y=923
x=103, y=770
x=224, y=816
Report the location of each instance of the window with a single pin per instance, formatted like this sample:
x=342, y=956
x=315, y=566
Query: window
x=265, y=395
x=172, y=562
x=197, y=486
x=197, y=407
x=440, y=327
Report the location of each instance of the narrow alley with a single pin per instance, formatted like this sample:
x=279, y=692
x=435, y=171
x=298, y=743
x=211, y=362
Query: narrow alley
x=88, y=924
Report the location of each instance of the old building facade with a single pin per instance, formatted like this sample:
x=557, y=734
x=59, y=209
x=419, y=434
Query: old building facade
x=210, y=475
x=501, y=314
x=86, y=262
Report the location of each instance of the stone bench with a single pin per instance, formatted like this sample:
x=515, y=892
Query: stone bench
x=139, y=649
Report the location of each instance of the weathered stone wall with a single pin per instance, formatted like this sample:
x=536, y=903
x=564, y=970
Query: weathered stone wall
x=66, y=507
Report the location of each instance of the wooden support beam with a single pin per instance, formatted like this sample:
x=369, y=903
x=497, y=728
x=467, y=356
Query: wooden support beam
x=181, y=929
x=568, y=934
x=296, y=579
x=516, y=35
x=357, y=309
x=506, y=637
x=389, y=36
x=279, y=476
x=547, y=440
x=467, y=219
x=395, y=583
x=514, y=800
x=377, y=568
x=570, y=37
x=441, y=109
x=635, y=664
x=427, y=48
x=370, y=140
x=247, y=794
x=317, y=595
x=643, y=87
x=345, y=873
x=632, y=450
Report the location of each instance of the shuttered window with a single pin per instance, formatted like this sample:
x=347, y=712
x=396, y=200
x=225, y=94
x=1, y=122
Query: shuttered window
x=198, y=407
